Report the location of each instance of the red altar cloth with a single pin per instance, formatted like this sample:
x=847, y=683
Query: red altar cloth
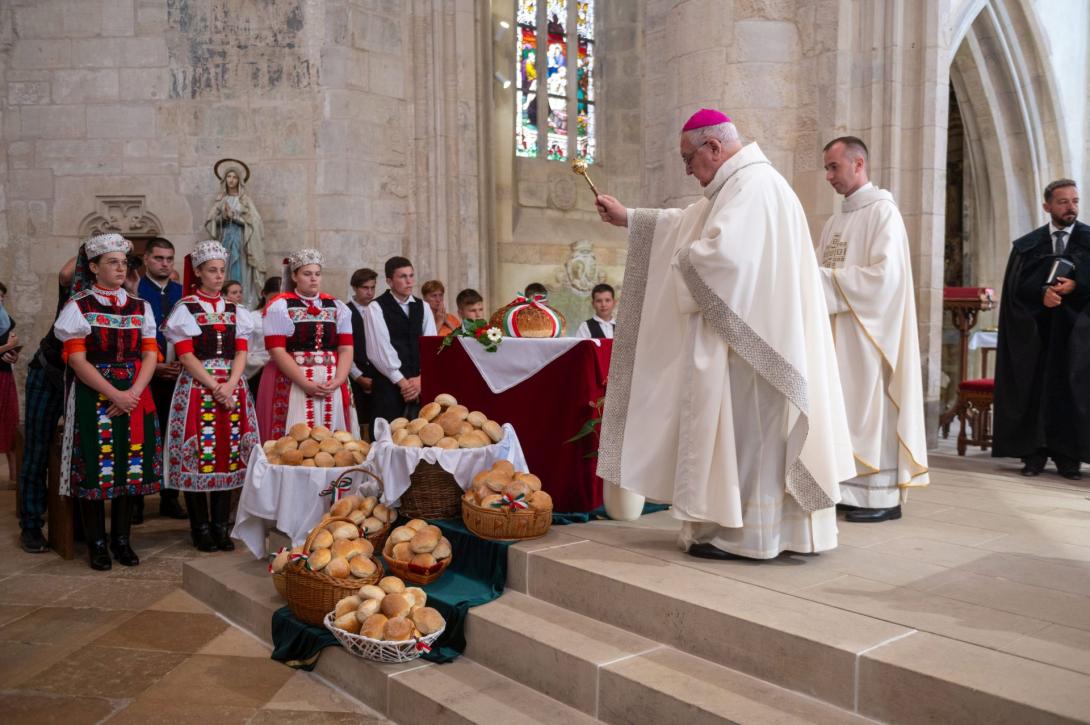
x=545, y=409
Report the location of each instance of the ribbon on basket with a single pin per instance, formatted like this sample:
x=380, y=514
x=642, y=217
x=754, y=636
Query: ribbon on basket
x=338, y=488
x=422, y=646
x=273, y=556
x=299, y=556
x=518, y=502
x=520, y=303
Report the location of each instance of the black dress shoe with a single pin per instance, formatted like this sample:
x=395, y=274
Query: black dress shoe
x=170, y=508
x=124, y=554
x=202, y=537
x=32, y=540
x=873, y=516
x=99, y=555
x=1030, y=471
x=1071, y=474
x=707, y=551
x=222, y=538
x=846, y=507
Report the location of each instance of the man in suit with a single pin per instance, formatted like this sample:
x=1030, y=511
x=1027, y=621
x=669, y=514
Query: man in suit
x=394, y=324
x=363, y=283
x=1041, y=412
x=160, y=291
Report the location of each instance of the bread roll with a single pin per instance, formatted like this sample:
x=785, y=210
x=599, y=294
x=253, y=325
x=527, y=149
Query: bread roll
x=391, y=584
x=451, y=424
x=480, y=491
x=342, y=507
x=320, y=433
x=371, y=525
x=540, y=501
x=415, y=425
x=323, y=460
x=354, y=499
x=412, y=441
x=417, y=597
x=382, y=512
x=268, y=446
x=442, y=549
x=273, y=458
x=308, y=463
x=496, y=481
x=371, y=591
x=343, y=530
x=424, y=541
x=494, y=430
x=330, y=445
x=446, y=400
x=319, y=559
x=532, y=481
x=344, y=548
x=358, y=457
x=280, y=561
x=466, y=427
x=401, y=533
x=356, y=517
x=459, y=410
x=505, y=466
x=348, y=604
x=291, y=458
x=431, y=411
x=431, y=434
x=476, y=418
x=352, y=445
x=402, y=552
x=365, y=447
x=367, y=608
x=468, y=440
x=342, y=435
x=488, y=501
x=447, y=443
x=427, y=620
x=482, y=437
x=348, y=623
x=416, y=524
x=338, y=567
x=322, y=540
x=287, y=443
x=424, y=562
x=396, y=605
x=363, y=547
x=515, y=489
x=373, y=626
x=434, y=529
x=299, y=431
x=344, y=459
x=367, y=505
x=397, y=629
x=362, y=567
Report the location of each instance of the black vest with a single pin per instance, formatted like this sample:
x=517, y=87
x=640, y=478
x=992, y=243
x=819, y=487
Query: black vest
x=596, y=330
x=359, y=341
x=404, y=331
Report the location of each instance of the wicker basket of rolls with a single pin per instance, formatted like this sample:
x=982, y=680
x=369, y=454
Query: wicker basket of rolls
x=387, y=622
x=417, y=552
x=503, y=504
x=373, y=519
x=338, y=562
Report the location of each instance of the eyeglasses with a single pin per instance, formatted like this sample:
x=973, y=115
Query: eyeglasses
x=117, y=263
x=688, y=158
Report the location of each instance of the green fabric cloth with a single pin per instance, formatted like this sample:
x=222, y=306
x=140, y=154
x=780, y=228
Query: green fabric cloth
x=599, y=514
x=476, y=576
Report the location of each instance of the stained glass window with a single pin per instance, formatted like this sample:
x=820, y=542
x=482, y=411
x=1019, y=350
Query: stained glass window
x=563, y=99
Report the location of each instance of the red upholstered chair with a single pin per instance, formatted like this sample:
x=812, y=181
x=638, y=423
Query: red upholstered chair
x=975, y=398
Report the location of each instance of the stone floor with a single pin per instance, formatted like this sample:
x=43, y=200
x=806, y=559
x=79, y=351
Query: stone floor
x=129, y=646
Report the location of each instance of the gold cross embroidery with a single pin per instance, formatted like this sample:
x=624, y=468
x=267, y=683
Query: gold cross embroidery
x=834, y=253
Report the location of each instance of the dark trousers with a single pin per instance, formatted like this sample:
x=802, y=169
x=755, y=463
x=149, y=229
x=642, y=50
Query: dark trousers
x=362, y=401
x=1063, y=463
x=44, y=402
x=162, y=392
x=386, y=402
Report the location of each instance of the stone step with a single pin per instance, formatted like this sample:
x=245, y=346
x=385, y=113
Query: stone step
x=619, y=677
x=863, y=664
x=238, y=587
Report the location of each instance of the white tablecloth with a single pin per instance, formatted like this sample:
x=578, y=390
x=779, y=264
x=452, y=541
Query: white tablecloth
x=396, y=463
x=286, y=497
x=516, y=359
x=983, y=338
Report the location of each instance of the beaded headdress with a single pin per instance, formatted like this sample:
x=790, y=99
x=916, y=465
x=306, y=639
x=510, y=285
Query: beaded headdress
x=303, y=257
x=106, y=243
x=206, y=250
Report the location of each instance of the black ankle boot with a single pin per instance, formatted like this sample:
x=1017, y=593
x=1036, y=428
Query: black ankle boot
x=120, y=527
x=93, y=516
x=196, y=505
x=221, y=517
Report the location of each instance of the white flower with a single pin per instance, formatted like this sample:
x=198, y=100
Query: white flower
x=494, y=334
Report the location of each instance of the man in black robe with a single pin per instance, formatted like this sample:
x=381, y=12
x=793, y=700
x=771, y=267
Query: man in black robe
x=1042, y=392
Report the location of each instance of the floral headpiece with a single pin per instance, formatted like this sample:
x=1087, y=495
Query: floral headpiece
x=206, y=250
x=106, y=243
x=303, y=257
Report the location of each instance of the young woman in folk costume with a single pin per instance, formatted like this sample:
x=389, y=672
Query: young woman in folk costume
x=309, y=338
x=212, y=425
x=111, y=437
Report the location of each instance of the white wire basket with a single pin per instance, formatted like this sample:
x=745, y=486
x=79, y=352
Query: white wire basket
x=378, y=650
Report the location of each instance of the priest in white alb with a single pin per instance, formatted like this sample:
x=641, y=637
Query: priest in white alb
x=867, y=277
x=723, y=396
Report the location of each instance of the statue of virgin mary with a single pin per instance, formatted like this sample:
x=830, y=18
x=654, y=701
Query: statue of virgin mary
x=234, y=221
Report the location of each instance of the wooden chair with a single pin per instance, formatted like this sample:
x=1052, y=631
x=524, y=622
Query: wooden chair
x=975, y=399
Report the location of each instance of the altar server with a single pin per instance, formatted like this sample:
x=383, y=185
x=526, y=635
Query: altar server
x=723, y=394
x=867, y=276
x=111, y=435
x=212, y=425
x=308, y=334
x=601, y=325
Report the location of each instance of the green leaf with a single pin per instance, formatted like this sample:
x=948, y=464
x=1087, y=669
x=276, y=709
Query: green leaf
x=588, y=428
